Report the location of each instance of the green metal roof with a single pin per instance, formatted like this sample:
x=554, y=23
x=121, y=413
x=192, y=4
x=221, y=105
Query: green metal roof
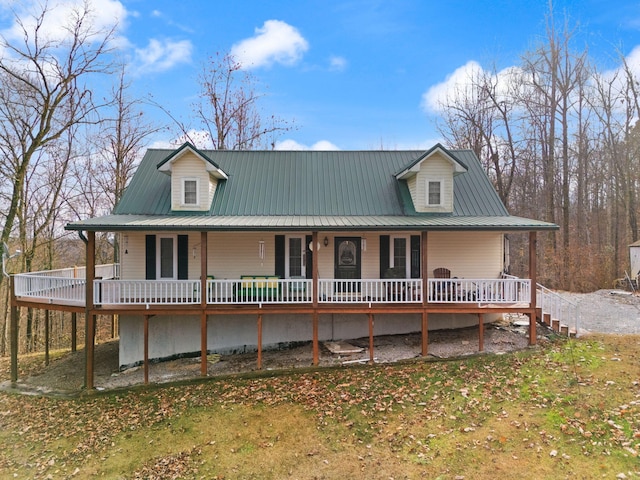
x=308, y=189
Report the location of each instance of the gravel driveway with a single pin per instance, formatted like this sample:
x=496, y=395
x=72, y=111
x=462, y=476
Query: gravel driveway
x=607, y=311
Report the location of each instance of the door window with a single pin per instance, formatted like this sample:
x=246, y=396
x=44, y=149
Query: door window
x=295, y=257
x=399, y=260
x=167, y=257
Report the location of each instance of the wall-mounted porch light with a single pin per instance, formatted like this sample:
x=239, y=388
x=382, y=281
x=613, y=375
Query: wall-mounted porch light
x=326, y=241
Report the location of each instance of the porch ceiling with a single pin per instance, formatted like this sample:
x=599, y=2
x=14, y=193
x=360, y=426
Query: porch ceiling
x=307, y=223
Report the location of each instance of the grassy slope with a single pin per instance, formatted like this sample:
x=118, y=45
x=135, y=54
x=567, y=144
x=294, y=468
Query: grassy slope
x=565, y=410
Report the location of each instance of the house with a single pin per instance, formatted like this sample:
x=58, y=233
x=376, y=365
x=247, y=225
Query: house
x=234, y=251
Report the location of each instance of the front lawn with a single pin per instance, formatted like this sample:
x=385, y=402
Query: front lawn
x=568, y=409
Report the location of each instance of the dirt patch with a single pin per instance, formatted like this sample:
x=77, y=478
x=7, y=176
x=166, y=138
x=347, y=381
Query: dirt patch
x=66, y=374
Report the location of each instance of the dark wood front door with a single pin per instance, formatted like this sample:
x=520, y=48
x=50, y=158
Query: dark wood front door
x=347, y=261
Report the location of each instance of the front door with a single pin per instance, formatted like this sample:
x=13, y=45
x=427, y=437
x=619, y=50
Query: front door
x=347, y=262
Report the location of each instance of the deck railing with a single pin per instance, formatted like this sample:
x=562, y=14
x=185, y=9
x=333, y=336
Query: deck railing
x=267, y=290
x=560, y=310
x=370, y=291
x=494, y=291
x=146, y=292
x=260, y=291
x=65, y=285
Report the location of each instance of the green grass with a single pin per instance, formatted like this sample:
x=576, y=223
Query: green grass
x=568, y=409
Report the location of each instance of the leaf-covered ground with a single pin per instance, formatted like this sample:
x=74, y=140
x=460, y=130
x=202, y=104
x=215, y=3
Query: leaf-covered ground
x=570, y=409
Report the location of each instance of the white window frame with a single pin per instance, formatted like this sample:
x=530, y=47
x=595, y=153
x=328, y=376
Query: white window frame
x=184, y=192
x=303, y=254
x=159, y=256
x=439, y=181
x=407, y=238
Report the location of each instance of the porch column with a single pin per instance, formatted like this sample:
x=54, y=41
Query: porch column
x=90, y=318
x=480, y=332
x=74, y=331
x=425, y=296
x=14, y=331
x=371, y=338
x=47, y=335
x=203, y=304
x=146, y=349
x=259, y=341
x=533, y=246
x=314, y=288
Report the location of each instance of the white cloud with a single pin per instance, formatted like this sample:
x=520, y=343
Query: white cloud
x=442, y=93
x=459, y=85
x=104, y=15
x=162, y=55
x=275, y=42
x=293, y=145
x=617, y=76
x=337, y=63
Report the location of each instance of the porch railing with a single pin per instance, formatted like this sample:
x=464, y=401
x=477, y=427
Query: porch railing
x=146, y=292
x=370, y=291
x=559, y=309
x=66, y=285
x=250, y=291
x=108, y=291
x=494, y=291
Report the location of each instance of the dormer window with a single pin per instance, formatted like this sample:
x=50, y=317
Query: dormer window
x=190, y=192
x=434, y=193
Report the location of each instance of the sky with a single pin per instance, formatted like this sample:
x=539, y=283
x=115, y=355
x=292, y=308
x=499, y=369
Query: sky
x=352, y=74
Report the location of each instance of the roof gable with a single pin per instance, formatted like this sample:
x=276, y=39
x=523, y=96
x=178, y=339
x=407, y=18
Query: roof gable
x=413, y=168
x=166, y=164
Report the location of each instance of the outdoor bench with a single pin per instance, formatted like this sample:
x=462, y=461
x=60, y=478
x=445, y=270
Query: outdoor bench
x=259, y=287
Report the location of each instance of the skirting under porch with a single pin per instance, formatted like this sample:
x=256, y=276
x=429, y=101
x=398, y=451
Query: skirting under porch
x=173, y=336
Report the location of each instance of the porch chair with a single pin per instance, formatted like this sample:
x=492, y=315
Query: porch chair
x=442, y=273
x=442, y=290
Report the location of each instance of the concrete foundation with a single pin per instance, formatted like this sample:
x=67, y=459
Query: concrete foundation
x=174, y=336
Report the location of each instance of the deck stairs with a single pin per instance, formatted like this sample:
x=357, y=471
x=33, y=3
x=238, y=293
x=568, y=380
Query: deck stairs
x=557, y=312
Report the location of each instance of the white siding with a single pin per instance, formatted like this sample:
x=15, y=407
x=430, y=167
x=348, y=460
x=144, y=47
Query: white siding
x=466, y=254
x=230, y=255
x=435, y=168
x=192, y=167
x=132, y=257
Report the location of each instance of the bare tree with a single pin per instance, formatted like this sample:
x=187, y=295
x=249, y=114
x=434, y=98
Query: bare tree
x=42, y=93
x=229, y=108
x=479, y=117
x=105, y=168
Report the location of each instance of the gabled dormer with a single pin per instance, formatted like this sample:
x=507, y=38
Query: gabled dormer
x=194, y=179
x=430, y=180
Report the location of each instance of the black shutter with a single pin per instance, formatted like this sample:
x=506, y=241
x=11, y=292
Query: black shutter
x=384, y=255
x=309, y=256
x=183, y=257
x=279, y=270
x=415, y=256
x=150, y=257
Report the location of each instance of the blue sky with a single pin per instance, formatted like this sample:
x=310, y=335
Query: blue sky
x=350, y=74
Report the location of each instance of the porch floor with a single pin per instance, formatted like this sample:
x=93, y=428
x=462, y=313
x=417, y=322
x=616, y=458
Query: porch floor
x=66, y=375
